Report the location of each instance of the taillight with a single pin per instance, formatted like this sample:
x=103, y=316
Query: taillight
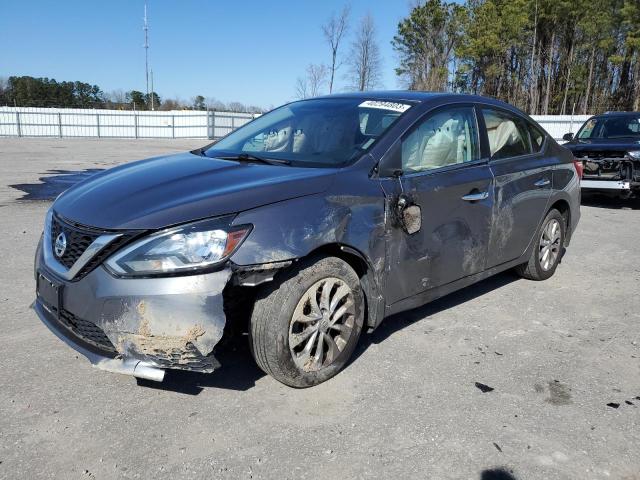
x=579, y=167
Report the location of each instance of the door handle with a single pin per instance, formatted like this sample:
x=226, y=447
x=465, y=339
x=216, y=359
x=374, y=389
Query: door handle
x=474, y=197
x=543, y=182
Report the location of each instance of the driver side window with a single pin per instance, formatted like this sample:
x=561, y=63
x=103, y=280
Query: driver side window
x=447, y=137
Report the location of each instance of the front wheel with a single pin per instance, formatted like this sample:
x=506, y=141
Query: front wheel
x=548, y=250
x=305, y=326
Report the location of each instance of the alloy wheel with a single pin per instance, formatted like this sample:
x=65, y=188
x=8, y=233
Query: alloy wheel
x=322, y=324
x=550, y=244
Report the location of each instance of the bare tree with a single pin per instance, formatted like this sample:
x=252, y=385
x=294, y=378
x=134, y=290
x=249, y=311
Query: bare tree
x=118, y=96
x=302, y=88
x=334, y=30
x=316, y=77
x=364, y=59
x=236, y=107
x=311, y=85
x=215, y=104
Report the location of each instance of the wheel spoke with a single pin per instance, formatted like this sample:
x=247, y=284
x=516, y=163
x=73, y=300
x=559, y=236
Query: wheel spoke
x=340, y=312
x=342, y=292
x=324, y=296
x=332, y=349
x=317, y=358
x=313, y=303
x=295, y=339
x=309, y=346
x=313, y=317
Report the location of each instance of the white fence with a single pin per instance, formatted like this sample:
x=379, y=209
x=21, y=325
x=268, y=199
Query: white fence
x=70, y=122
x=558, y=125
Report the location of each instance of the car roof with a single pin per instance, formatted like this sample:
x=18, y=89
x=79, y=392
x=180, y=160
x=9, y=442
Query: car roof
x=416, y=96
x=617, y=114
x=423, y=97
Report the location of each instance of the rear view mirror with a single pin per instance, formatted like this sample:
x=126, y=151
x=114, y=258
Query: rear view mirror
x=568, y=137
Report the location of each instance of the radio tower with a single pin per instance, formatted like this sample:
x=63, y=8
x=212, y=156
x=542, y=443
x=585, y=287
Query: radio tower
x=146, y=52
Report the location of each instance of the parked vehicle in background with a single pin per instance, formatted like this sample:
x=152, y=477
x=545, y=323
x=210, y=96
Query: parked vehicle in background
x=323, y=217
x=608, y=147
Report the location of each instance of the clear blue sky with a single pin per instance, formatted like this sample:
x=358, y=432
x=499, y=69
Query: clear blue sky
x=233, y=50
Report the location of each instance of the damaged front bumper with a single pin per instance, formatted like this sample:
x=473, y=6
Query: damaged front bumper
x=619, y=174
x=136, y=326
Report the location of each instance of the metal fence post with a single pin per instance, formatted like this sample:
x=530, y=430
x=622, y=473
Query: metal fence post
x=59, y=124
x=211, y=124
x=19, y=130
x=173, y=126
x=98, y=123
x=135, y=122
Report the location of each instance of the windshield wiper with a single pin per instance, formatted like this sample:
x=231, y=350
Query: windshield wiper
x=249, y=157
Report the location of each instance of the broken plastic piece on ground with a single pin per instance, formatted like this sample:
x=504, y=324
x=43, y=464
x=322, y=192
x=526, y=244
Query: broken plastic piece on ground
x=613, y=405
x=497, y=447
x=484, y=388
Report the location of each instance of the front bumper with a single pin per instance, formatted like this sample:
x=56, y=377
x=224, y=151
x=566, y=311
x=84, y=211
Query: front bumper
x=138, y=326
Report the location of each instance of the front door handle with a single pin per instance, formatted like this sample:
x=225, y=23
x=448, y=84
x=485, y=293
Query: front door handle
x=543, y=182
x=474, y=197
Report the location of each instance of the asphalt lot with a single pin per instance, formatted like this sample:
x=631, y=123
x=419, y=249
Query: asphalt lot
x=555, y=353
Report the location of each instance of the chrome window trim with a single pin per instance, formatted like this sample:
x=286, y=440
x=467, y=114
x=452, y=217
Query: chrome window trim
x=59, y=269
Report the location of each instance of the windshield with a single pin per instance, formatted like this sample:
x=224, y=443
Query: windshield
x=611, y=127
x=326, y=132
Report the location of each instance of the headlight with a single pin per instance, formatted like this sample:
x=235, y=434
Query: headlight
x=635, y=154
x=188, y=248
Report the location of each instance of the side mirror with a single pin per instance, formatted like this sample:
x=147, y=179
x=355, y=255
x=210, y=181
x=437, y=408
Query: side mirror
x=409, y=215
x=412, y=219
x=568, y=137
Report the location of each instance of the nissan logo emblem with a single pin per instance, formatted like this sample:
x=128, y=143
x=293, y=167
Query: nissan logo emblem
x=60, y=245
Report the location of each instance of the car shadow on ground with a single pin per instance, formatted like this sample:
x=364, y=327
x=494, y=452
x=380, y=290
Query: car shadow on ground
x=240, y=372
x=497, y=474
x=399, y=321
x=606, y=201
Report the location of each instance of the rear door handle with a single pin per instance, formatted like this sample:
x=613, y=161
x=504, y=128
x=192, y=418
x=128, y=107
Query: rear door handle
x=474, y=197
x=543, y=182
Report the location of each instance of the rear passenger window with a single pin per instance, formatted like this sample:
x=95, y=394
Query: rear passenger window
x=508, y=136
x=447, y=137
x=537, y=137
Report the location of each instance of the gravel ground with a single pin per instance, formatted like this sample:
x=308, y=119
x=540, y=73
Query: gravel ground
x=556, y=353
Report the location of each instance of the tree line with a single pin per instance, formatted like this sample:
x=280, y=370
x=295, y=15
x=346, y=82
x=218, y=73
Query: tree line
x=25, y=91
x=544, y=56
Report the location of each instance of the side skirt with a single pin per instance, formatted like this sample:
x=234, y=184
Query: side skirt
x=438, y=292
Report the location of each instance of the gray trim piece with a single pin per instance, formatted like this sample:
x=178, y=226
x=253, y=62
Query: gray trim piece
x=59, y=269
x=606, y=184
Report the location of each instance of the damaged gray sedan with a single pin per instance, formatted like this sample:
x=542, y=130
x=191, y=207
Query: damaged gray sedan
x=304, y=227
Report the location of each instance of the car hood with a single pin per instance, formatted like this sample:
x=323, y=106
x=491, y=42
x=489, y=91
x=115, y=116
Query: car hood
x=603, y=144
x=165, y=191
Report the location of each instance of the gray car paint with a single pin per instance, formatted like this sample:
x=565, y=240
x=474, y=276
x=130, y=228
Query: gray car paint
x=296, y=213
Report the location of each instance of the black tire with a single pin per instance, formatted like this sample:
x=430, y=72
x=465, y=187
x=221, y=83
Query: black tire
x=533, y=269
x=273, y=318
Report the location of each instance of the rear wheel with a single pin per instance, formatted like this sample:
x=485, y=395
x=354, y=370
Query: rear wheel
x=305, y=327
x=547, y=252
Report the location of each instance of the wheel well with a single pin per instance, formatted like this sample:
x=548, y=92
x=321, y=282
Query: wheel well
x=356, y=260
x=348, y=254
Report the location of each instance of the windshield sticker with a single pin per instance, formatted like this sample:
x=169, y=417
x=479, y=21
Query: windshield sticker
x=394, y=106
